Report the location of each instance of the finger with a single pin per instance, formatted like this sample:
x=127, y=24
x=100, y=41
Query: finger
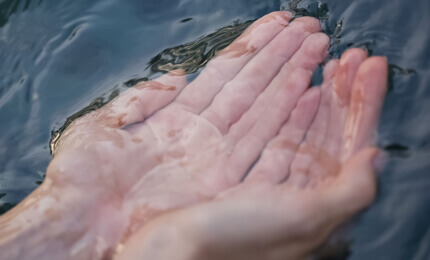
x=140, y=101
x=336, y=200
x=368, y=92
x=340, y=92
x=225, y=66
x=274, y=163
x=354, y=189
x=238, y=95
x=250, y=146
x=312, y=53
x=340, y=98
x=310, y=149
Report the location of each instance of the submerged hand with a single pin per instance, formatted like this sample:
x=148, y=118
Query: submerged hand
x=295, y=195
x=159, y=152
x=164, y=145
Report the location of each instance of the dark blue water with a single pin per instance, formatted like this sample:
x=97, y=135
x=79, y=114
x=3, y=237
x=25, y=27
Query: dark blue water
x=59, y=58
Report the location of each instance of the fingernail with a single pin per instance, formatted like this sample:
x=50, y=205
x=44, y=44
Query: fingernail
x=366, y=50
x=177, y=72
x=380, y=161
x=289, y=14
x=384, y=58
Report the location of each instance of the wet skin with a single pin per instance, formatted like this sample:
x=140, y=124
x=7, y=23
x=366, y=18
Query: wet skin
x=248, y=139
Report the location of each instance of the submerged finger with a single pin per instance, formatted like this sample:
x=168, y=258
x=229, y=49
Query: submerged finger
x=239, y=95
x=340, y=93
x=139, y=102
x=368, y=92
x=225, y=66
x=274, y=163
x=311, y=53
x=269, y=123
x=310, y=149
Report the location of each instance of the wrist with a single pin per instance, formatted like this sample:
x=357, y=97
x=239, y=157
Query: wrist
x=167, y=237
x=44, y=225
x=59, y=220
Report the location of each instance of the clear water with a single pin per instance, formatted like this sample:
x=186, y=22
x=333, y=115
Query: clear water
x=60, y=57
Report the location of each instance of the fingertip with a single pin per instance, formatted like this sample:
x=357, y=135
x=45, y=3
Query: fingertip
x=321, y=38
x=382, y=59
x=175, y=78
x=374, y=66
x=330, y=69
x=355, y=55
x=317, y=45
x=283, y=17
x=348, y=67
x=311, y=96
x=310, y=101
x=310, y=24
x=288, y=14
x=349, y=64
x=312, y=52
x=301, y=75
x=372, y=78
x=177, y=72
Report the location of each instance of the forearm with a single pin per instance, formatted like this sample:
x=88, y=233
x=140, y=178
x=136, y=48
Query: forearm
x=165, y=238
x=46, y=223
x=63, y=218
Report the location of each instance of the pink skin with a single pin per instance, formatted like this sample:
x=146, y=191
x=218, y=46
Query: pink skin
x=166, y=145
x=277, y=213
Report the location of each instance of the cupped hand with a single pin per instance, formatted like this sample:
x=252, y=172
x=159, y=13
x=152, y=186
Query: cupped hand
x=298, y=192
x=165, y=144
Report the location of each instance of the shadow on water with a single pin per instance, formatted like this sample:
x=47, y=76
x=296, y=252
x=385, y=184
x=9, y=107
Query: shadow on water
x=62, y=58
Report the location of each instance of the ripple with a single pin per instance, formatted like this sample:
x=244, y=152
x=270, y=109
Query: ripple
x=189, y=57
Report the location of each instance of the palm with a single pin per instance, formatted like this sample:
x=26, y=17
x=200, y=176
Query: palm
x=310, y=177
x=167, y=144
x=191, y=147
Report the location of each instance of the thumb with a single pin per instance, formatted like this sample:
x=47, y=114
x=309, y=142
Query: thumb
x=142, y=100
x=357, y=185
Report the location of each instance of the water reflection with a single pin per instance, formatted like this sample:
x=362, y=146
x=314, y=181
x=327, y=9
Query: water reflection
x=192, y=56
x=58, y=56
x=189, y=57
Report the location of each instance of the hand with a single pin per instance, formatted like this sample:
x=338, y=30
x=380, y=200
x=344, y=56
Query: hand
x=165, y=144
x=295, y=195
x=153, y=152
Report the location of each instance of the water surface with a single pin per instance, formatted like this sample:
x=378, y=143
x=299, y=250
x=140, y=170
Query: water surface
x=60, y=57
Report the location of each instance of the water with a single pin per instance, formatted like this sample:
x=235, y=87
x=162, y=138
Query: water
x=59, y=58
